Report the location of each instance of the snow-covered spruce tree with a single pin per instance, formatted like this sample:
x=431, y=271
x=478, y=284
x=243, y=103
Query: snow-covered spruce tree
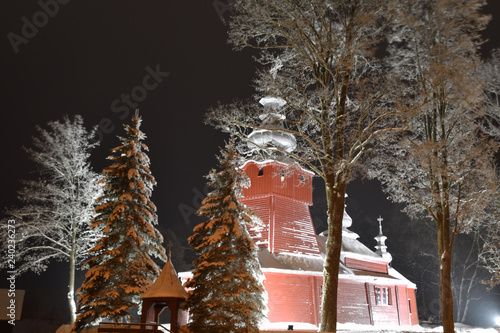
x=53, y=223
x=121, y=267
x=442, y=166
x=227, y=291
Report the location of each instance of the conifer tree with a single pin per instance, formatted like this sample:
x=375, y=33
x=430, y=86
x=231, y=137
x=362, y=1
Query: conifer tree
x=227, y=292
x=122, y=267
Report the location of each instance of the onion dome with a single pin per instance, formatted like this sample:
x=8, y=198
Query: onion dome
x=270, y=135
x=380, y=238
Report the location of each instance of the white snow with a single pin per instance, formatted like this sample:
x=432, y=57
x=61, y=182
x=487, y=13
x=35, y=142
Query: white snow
x=351, y=327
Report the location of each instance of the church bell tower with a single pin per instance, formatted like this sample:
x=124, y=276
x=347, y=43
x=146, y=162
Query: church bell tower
x=280, y=193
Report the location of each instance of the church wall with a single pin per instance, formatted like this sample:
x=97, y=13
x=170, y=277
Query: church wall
x=412, y=300
x=352, y=304
x=297, y=184
x=297, y=298
x=371, y=266
x=294, y=232
x=293, y=298
x=384, y=314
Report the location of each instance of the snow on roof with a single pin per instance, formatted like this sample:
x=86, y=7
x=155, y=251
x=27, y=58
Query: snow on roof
x=166, y=285
x=353, y=246
x=264, y=162
x=350, y=246
x=290, y=262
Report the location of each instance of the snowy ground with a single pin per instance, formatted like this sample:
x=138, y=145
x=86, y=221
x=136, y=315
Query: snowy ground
x=355, y=328
x=352, y=328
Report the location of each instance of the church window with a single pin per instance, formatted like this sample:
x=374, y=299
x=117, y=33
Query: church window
x=382, y=296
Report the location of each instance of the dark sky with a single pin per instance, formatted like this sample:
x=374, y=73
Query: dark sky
x=88, y=54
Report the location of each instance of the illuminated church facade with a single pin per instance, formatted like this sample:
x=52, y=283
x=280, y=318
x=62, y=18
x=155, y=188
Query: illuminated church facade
x=292, y=255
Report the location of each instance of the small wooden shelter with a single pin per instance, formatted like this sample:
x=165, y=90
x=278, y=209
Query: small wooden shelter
x=166, y=291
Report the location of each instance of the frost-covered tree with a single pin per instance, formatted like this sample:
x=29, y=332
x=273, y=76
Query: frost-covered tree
x=490, y=73
x=226, y=289
x=121, y=267
x=53, y=222
x=319, y=58
x=441, y=167
x=490, y=253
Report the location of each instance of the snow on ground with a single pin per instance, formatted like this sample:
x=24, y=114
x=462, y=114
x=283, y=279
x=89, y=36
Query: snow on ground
x=348, y=328
x=459, y=328
x=357, y=328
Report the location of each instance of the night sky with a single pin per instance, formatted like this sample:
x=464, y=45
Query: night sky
x=88, y=56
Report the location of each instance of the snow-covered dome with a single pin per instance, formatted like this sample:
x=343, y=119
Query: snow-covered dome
x=272, y=119
x=346, y=220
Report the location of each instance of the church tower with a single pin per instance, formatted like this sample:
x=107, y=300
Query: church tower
x=280, y=193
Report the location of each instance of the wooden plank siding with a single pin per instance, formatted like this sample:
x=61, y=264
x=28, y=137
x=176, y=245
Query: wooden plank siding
x=282, y=203
x=292, y=297
x=404, y=310
x=366, y=265
x=412, y=304
x=282, y=199
x=296, y=183
x=262, y=207
x=352, y=304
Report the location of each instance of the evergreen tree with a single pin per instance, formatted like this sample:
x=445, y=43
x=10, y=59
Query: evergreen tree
x=227, y=293
x=121, y=267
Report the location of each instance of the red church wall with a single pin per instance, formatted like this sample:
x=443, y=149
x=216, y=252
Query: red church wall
x=287, y=227
x=372, y=266
x=352, y=304
x=282, y=203
x=282, y=200
x=384, y=314
x=404, y=309
x=412, y=302
x=294, y=183
x=293, y=235
x=293, y=298
x=261, y=206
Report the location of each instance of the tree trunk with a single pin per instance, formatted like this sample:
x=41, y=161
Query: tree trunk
x=445, y=275
x=446, y=296
x=71, y=290
x=335, y=197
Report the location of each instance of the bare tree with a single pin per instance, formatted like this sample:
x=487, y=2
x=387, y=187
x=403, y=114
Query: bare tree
x=442, y=167
x=490, y=253
x=468, y=273
x=490, y=73
x=319, y=60
x=53, y=223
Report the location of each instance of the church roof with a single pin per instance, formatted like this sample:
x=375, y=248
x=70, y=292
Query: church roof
x=167, y=285
x=270, y=260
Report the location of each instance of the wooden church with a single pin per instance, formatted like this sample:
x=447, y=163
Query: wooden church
x=291, y=254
